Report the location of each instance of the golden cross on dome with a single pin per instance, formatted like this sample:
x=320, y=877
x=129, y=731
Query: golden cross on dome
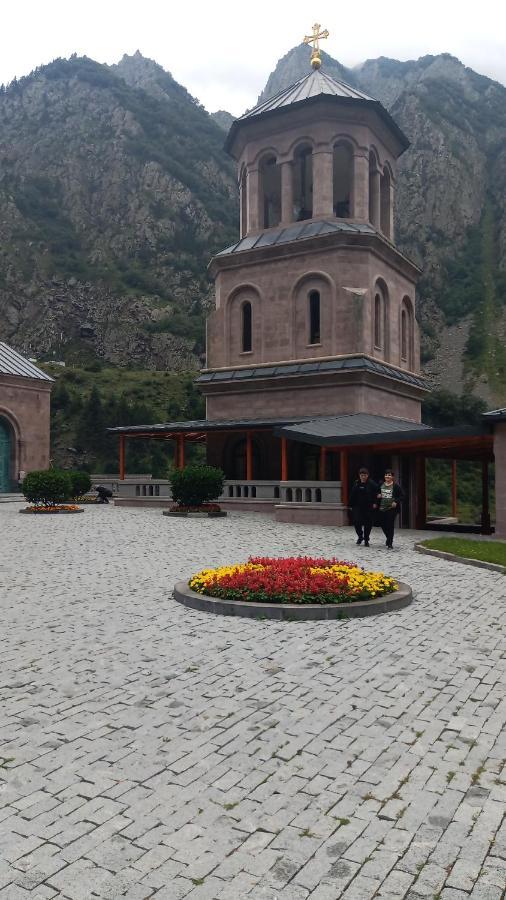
x=314, y=39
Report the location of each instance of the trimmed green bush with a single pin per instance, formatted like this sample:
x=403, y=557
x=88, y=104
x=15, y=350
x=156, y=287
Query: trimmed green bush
x=81, y=483
x=195, y=485
x=47, y=487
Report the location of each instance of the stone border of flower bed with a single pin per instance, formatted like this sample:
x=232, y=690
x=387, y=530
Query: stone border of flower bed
x=293, y=611
x=54, y=512
x=195, y=515
x=465, y=560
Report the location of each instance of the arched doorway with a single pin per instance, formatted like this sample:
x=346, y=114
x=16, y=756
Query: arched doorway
x=5, y=457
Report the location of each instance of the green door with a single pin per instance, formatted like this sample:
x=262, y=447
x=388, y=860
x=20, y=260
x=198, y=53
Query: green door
x=5, y=458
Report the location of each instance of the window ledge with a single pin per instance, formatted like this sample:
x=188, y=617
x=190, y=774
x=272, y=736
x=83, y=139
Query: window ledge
x=246, y=353
x=309, y=346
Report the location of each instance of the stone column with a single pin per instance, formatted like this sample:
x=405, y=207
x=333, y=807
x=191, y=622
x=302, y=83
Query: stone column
x=360, y=204
x=286, y=192
x=323, y=187
x=375, y=198
x=500, y=479
x=253, y=191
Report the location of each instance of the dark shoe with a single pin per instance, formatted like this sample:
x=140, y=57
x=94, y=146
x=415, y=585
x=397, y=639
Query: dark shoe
x=359, y=540
x=366, y=543
x=390, y=547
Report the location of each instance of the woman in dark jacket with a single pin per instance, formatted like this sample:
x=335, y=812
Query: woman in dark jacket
x=363, y=501
x=390, y=496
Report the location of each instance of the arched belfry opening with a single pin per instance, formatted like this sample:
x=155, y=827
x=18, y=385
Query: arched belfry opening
x=374, y=190
x=342, y=180
x=381, y=333
x=303, y=183
x=270, y=181
x=385, y=202
x=407, y=336
x=243, y=198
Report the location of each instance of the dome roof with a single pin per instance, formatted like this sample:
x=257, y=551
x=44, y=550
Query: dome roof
x=314, y=86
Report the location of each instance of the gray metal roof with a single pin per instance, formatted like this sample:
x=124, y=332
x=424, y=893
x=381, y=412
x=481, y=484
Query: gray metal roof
x=352, y=363
x=12, y=363
x=352, y=428
x=314, y=86
x=495, y=415
x=299, y=231
x=203, y=425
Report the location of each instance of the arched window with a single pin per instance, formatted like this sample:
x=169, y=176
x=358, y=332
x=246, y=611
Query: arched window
x=374, y=190
x=381, y=333
x=246, y=327
x=314, y=318
x=270, y=177
x=378, y=321
x=404, y=335
x=303, y=183
x=385, y=202
x=244, y=202
x=407, y=334
x=343, y=178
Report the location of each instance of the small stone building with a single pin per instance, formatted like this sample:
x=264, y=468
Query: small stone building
x=25, y=393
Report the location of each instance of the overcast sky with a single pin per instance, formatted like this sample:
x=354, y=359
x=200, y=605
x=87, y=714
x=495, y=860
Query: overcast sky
x=223, y=52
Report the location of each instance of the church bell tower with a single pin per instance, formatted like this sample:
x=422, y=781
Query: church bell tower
x=315, y=305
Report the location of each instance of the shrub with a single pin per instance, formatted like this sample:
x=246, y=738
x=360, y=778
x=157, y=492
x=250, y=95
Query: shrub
x=80, y=482
x=47, y=488
x=195, y=485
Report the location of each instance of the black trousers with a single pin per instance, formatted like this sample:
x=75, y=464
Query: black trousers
x=362, y=520
x=387, y=522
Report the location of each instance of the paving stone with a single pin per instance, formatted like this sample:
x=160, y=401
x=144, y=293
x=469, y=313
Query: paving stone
x=161, y=752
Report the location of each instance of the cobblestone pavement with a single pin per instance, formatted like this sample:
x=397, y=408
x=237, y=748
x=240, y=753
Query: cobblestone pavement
x=152, y=751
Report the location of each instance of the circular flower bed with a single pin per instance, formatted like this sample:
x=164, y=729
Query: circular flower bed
x=293, y=580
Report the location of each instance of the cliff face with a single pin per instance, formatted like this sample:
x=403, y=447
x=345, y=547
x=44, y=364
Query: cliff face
x=114, y=192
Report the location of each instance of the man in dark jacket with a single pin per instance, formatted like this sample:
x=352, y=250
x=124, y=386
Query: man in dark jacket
x=363, y=501
x=389, y=499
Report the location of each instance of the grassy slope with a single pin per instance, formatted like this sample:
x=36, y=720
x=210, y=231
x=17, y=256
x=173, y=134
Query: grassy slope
x=487, y=551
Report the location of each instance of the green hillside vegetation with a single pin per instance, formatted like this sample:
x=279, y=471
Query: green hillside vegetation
x=85, y=402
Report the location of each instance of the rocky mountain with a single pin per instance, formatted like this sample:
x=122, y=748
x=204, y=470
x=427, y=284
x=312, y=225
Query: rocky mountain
x=114, y=192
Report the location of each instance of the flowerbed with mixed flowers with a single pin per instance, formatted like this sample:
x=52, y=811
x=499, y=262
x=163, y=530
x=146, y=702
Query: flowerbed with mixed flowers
x=300, y=579
x=204, y=507
x=54, y=508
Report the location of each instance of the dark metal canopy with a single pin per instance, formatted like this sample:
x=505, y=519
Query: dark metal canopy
x=351, y=429
x=201, y=426
x=495, y=415
x=364, y=429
